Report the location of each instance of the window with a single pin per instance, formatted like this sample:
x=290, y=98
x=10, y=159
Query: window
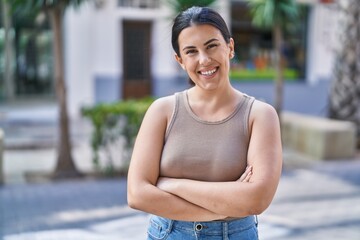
x=254, y=50
x=139, y=3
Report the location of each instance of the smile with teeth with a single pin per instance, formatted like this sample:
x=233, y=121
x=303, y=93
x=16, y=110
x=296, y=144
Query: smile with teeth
x=208, y=73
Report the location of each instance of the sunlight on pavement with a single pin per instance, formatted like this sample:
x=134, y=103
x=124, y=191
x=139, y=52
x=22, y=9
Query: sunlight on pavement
x=65, y=234
x=92, y=214
x=111, y=230
x=121, y=229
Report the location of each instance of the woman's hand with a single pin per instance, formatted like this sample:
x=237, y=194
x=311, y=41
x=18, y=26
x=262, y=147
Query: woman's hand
x=245, y=177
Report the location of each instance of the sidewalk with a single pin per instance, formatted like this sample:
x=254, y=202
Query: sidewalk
x=318, y=202
x=315, y=199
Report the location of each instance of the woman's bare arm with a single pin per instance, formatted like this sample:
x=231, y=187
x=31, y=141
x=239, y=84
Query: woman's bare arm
x=238, y=198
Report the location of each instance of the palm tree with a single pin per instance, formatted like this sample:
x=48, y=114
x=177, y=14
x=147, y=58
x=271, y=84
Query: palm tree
x=180, y=5
x=8, y=90
x=344, y=100
x=274, y=14
x=55, y=10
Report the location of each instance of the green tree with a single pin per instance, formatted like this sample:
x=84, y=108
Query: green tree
x=55, y=9
x=344, y=100
x=180, y=5
x=274, y=15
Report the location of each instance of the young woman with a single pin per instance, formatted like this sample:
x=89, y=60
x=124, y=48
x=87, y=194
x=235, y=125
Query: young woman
x=206, y=160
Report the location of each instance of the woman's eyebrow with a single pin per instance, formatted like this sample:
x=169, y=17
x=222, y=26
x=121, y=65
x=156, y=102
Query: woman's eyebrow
x=210, y=41
x=206, y=43
x=188, y=47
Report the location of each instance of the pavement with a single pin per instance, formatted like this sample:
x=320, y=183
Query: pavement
x=315, y=199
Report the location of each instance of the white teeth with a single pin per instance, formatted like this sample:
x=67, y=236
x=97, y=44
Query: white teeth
x=208, y=72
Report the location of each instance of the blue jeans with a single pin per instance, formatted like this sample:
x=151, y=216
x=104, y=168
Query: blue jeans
x=239, y=229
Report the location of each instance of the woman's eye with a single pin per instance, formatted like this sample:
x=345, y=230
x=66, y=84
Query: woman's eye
x=190, y=52
x=211, y=46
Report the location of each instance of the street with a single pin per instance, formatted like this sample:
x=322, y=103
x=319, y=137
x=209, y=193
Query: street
x=313, y=201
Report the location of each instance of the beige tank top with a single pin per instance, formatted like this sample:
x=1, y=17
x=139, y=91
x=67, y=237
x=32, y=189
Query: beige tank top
x=202, y=150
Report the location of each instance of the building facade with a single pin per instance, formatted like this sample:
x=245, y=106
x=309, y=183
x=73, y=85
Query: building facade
x=119, y=49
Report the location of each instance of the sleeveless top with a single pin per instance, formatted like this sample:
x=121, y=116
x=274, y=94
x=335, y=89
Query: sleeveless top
x=202, y=150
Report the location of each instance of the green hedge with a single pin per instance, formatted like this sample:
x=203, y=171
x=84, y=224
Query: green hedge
x=261, y=75
x=112, y=121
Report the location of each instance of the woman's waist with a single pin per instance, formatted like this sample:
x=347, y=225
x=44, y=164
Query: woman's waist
x=213, y=226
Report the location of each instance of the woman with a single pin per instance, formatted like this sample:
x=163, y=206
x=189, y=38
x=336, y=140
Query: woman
x=206, y=160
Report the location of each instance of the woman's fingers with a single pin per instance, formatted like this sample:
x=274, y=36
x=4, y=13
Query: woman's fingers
x=248, y=176
x=245, y=177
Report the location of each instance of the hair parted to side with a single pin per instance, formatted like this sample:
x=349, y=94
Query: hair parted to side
x=197, y=16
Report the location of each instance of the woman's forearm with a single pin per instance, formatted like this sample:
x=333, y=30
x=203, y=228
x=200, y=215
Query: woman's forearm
x=233, y=199
x=150, y=199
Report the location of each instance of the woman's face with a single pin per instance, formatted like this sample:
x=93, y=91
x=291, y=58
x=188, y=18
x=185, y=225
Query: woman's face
x=205, y=55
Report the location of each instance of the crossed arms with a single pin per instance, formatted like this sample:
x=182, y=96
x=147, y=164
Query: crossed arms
x=191, y=200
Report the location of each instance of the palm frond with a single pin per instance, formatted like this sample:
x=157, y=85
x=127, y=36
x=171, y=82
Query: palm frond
x=180, y=5
x=267, y=13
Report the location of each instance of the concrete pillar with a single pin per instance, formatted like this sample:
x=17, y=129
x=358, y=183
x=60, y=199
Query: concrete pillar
x=318, y=138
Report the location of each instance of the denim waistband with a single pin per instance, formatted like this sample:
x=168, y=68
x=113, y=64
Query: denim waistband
x=211, y=227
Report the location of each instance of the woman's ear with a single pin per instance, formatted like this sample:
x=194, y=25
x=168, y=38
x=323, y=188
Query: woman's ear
x=232, y=48
x=179, y=60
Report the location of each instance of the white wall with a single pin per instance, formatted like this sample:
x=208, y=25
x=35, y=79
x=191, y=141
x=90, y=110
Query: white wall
x=106, y=38
x=163, y=64
x=93, y=47
x=78, y=57
x=322, y=41
x=223, y=7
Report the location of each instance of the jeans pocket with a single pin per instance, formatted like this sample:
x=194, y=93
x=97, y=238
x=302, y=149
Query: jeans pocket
x=255, y=233
x=159, y=229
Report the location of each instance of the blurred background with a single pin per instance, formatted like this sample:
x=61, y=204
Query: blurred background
x=76, y=77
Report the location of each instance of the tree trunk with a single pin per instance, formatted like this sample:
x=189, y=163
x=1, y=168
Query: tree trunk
x=279, y=80
x=344, y=100
x=65, y=165
x=9, y=90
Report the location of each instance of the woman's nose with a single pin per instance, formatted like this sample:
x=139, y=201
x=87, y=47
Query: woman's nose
x=204, y=59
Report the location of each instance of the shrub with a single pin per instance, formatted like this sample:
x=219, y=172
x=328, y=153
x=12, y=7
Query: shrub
x=111, y=122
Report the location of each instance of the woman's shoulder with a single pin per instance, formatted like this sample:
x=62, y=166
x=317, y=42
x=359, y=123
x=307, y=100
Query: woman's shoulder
x=261, y=106
x=263, y=112
x=164, y=102
x=163, y=106
x=258, y=107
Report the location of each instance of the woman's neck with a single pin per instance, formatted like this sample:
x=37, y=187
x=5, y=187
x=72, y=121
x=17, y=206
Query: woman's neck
x=215, y=97
x=213, y=105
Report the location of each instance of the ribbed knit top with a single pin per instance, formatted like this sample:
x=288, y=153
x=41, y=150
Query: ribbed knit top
x=202, y=150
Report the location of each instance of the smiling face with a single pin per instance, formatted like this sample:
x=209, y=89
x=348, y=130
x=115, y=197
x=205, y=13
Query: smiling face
x=205, y=56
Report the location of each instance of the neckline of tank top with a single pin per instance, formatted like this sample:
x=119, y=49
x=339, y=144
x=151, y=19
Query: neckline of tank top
x=198, y=119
